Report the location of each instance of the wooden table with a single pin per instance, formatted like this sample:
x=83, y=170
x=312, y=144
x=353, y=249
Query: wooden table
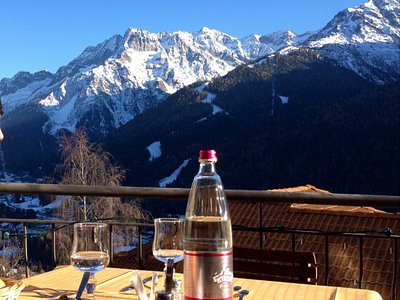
x=111, y=281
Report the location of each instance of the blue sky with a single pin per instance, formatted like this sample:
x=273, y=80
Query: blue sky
x=47, y=34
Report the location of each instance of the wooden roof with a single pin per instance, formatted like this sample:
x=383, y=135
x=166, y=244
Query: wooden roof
x=344, y=252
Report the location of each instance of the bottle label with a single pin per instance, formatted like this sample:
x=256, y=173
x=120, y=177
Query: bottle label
x=208, y=275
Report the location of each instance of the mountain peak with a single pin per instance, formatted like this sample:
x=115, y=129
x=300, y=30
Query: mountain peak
x=206, y=30
x=278, y=39
x=363, y=38
x=216, y=34
x=387, y=3
x=136, y=31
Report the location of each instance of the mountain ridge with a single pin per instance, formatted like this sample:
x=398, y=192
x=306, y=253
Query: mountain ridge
x=125, y=75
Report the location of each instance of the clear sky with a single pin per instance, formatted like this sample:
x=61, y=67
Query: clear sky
x=47, y=34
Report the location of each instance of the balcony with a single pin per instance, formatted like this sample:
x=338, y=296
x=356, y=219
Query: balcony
x=355, y=244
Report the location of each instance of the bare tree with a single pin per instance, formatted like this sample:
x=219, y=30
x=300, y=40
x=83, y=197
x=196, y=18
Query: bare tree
x=87, y=164
x=84, y=163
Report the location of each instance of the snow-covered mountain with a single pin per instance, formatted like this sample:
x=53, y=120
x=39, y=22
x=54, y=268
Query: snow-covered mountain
x=111, y=83
x=365, y=39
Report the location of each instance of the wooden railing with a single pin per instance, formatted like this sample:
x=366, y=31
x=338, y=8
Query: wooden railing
x=264, y=197
x=180, y=193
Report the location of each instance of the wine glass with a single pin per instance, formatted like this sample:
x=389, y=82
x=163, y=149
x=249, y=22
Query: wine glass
x=90, y=252
x=168, y=245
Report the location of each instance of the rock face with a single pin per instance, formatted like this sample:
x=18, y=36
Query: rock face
x=113, y=82
x=365, y=39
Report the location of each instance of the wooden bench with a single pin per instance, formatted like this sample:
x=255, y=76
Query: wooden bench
x=288, y=266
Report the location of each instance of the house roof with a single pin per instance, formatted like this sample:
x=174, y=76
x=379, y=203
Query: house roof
x=344, y=252
x=335, y=209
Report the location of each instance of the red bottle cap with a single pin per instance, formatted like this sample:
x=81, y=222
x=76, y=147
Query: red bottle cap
x=208, y=155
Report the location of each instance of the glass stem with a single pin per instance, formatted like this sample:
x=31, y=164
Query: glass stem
x=169, y=275
x=91, y=287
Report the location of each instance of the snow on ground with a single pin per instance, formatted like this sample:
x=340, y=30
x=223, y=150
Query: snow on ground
x=24, y=95
x=201, y=88
x=55, y=204
x=284, y=99
x=155, y=150
x=32, y=203
x=63, y=117
x=209, y=99
x=201, y=120
x=216, y=109
x=137, y=66
x=88, y=68
x=50, y=100
x=9, y=177
x=7, y=252
x=171, y=178
x=119, y=240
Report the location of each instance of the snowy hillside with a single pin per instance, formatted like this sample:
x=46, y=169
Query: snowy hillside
x=111, y=83
x=365, y=39
x=123, y=76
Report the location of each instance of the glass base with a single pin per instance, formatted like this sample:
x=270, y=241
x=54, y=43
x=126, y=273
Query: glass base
x=90, y=289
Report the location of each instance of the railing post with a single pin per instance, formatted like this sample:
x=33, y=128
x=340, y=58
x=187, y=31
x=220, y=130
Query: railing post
x=395, y=268
x=140, y=254
x=26, y=250
x=260, y=222
x=293, y=241
x=111, y=237
x=53, y=244
x=360, y=277
x=326, y=258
